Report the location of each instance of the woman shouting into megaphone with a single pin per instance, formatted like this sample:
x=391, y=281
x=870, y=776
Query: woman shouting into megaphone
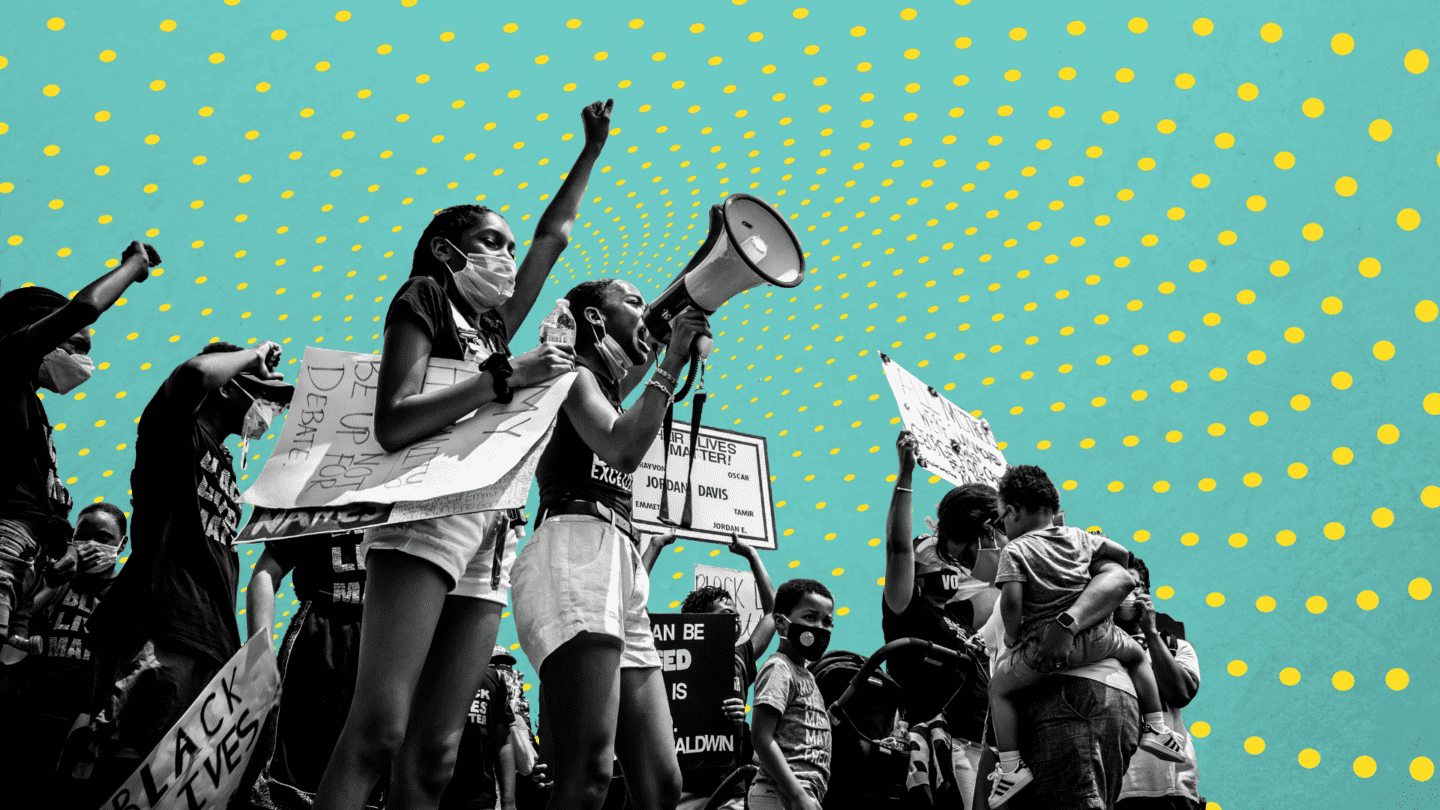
x=579, y=584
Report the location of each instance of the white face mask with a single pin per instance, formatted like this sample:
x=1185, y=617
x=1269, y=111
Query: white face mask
x=617, y=360
x=258, y=419
x=106, y=559
x=486, y=281
x=1127, y=610
x=63, y=372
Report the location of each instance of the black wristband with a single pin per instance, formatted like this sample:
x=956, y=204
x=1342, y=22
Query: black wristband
x=499, y=367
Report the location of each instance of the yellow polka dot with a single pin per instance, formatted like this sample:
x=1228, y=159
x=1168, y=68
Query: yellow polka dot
x=1256, y=357
x=342, y=16
x=1124, y=75
x=1215, y=599
x=1384, y=350
x=1075, y=28
x=167, y=26
x=1254, y=745
x=1284, y=160
x=1255, y=203
x=1164, y=592
x=1184, y=81
x=1285, y=537
x=1342, y=44
x=1200, y=729
x=1238, y=540
x=1270, y=32
x=1380, y=129
x=1334, y=530
x=1383, y=518
x=1309, y=758
x=1290, y=676
x=1397, y=679
x=278, y=34
x=51, y=90
x=1315, y=604
x=1408, y=219
x=1294, y=334
x=1419, y=588
x=55, y=24
x=1138, y=25
x=1427, y=310
x=1431, y=404
x=1237, y=668
x=1332, y=305
x=1248, y=92
x=1224, y=140
x=1203, y=27
x=1265, y=604
x=1297, y=470
x=1417, y=61
x=107, y=56
x=1367, y=600
x=1313, y=108
x=1388, y=434
x=1342, y=680
x=1430, y=496
x=1342, y=456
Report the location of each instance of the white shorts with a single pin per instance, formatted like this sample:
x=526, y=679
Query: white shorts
x=579, y=574
x=462, y=546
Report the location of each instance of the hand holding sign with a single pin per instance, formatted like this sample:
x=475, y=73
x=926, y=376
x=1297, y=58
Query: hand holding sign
x=948, y=440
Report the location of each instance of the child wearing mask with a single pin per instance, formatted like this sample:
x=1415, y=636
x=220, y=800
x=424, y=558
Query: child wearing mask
x=791, y=725
x=44, y=343
x=435, y=589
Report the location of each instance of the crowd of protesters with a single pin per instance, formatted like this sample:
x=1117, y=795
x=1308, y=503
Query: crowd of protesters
x=1059, y=686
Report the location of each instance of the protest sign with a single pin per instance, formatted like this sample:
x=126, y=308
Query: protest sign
x=509, y=492
x=697, y=661
x=731, y=483
x=953, y=444
x=200, y=760
x=327, y=453
x=739, y=584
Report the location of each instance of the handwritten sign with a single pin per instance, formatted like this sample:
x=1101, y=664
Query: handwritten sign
x=327, y=453
x=953, y=444
x=200, y=760
x=697, y=661
x=731, y=485
x=509, y=492
x=739, y=584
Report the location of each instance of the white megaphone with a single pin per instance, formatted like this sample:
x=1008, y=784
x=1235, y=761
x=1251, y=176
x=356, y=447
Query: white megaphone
x=749, y=244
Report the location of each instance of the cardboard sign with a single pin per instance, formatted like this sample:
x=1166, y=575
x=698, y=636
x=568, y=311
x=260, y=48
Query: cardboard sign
x=327, y=454
x=731, y=485
x=697, y=661
x=953, y=444
x=742, y=586
x=200, y=760
x=509, y=492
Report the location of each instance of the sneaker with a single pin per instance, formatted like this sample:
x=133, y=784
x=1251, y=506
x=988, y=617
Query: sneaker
x=1005, y=785
x=1167, y=746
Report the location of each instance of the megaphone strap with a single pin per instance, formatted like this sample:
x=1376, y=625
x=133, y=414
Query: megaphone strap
x=687, y=516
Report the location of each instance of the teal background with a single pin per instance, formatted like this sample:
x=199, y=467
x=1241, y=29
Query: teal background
x=322, y=255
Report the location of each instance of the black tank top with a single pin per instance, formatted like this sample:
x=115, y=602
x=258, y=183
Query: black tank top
x=570, y=471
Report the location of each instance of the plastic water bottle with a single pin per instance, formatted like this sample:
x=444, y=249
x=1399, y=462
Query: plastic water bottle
x=559, y=325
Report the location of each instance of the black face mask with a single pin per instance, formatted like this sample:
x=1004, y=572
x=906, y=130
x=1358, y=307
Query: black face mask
x=807, y=641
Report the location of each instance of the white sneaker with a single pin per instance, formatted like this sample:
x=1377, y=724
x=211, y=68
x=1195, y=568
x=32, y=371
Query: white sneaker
x=1167, y=746
x=1005, y=785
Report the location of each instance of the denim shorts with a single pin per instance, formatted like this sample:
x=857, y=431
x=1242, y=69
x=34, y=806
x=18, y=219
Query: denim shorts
x=467, y=548
x=579, y=574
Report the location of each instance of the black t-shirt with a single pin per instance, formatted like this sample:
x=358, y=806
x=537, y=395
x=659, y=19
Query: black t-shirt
x=422, y=301
x=474, y=784
x=30, y=488
x=570, y=471
x=180, y=583
x=329, y=572
x=927, y=687
x=64, y=674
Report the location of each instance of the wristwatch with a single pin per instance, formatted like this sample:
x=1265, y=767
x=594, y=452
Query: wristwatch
x=1066, y=621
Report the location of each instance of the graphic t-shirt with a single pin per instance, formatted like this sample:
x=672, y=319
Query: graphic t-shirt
x=474, y=784
x=928, y=688
x=180, y=582
x=65, y=670
x=30, y=487
x=328, y=571
x=803, y=732
x=1054, y=564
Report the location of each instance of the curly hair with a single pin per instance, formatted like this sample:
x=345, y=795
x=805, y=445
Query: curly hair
x=1140, y=567
x=220, y=346
x=789, y=594
x=1028, y=488
x=450, y=223
x=965, y=510
x=701, y=600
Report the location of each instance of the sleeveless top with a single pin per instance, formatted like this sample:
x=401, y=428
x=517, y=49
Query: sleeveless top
x=570, y=471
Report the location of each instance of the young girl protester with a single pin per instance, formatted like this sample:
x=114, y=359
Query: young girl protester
x=580, y=583
x=435, y=588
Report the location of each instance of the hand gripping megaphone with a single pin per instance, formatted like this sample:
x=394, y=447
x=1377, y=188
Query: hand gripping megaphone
x=749, y=244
